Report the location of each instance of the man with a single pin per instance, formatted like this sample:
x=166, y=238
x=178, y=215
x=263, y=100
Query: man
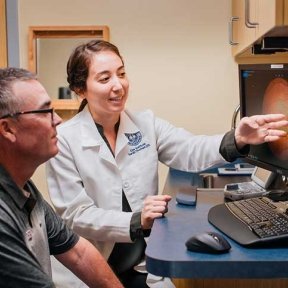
x=29, y=229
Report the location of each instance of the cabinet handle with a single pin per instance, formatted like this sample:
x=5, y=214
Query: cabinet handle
x=230, y=28
x=248, y=23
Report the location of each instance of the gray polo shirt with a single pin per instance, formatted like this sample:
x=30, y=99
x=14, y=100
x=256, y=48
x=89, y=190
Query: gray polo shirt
x=30, y=231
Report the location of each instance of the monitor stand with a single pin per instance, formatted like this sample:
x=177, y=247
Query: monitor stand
x=278, y=189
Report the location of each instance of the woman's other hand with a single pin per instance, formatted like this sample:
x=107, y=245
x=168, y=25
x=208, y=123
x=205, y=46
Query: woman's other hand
x=154, y=207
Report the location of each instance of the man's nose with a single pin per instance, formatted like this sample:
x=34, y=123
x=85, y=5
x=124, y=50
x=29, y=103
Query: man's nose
x=57, y=119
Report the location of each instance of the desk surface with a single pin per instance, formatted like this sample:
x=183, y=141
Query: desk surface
x=167, y=254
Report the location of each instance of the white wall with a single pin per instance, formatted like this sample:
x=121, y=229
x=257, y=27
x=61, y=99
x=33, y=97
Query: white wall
x=176, y=53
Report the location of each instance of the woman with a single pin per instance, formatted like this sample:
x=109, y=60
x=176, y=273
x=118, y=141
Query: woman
x=104, y=181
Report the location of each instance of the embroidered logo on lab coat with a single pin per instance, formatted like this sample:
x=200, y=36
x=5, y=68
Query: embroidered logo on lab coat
x=134, y=138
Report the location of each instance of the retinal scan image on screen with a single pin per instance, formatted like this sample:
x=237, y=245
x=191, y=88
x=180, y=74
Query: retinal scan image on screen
x=264, y=90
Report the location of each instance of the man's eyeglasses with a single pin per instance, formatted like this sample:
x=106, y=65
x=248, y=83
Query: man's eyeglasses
x=40, y=111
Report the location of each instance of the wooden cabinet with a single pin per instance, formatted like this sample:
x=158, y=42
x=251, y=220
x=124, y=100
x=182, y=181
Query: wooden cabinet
x=286, y=12
x=243, y=36
x=252, y=19
x=269, y=14
x=230, y=283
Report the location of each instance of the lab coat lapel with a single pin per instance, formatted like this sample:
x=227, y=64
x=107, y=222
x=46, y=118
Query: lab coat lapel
x=126, y=126
x=91, y=137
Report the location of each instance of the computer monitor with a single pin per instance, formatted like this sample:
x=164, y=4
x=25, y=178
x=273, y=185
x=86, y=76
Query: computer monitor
x=264, y=90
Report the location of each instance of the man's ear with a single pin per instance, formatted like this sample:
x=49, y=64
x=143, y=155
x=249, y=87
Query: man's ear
x=7, y=130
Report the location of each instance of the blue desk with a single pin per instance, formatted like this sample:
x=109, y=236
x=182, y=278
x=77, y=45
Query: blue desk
x=166, y=251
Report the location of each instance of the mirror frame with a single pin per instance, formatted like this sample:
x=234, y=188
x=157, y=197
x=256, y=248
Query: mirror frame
x=3, y=35
x=37, y=32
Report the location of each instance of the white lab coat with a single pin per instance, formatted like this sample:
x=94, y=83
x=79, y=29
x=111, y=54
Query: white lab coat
x=85, y=181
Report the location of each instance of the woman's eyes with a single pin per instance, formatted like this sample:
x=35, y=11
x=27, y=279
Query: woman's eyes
x=122, y=74
x=105, y=79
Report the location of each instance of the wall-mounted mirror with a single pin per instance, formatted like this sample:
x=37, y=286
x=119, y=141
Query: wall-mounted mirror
x=49, y=50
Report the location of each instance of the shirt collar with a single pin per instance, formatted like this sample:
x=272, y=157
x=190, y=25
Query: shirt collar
x=9, y=187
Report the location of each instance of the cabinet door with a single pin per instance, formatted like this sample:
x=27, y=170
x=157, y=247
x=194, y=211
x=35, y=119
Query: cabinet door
x=285, y=8
x=255, y=19
x=243, y=33
x=269, y=14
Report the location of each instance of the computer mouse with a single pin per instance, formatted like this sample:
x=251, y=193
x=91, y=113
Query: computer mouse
x=208, y=242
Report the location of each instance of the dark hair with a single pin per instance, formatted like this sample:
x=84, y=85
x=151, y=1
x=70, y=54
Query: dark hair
x=79, y=63
x=8, y=102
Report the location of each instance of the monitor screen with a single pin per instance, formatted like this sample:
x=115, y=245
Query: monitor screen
x=264, y=90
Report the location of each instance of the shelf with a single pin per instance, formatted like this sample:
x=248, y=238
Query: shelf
x=66, y=108
x=247, y=57
x=65, y=104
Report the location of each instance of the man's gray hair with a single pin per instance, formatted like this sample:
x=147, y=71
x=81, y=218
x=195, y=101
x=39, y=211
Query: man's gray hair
x=9, y=103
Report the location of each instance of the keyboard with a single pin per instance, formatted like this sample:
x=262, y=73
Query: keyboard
x=252, y=221
x=261, y=215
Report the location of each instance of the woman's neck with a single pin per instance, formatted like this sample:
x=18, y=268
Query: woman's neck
x=109, y=128
x=107, y=121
